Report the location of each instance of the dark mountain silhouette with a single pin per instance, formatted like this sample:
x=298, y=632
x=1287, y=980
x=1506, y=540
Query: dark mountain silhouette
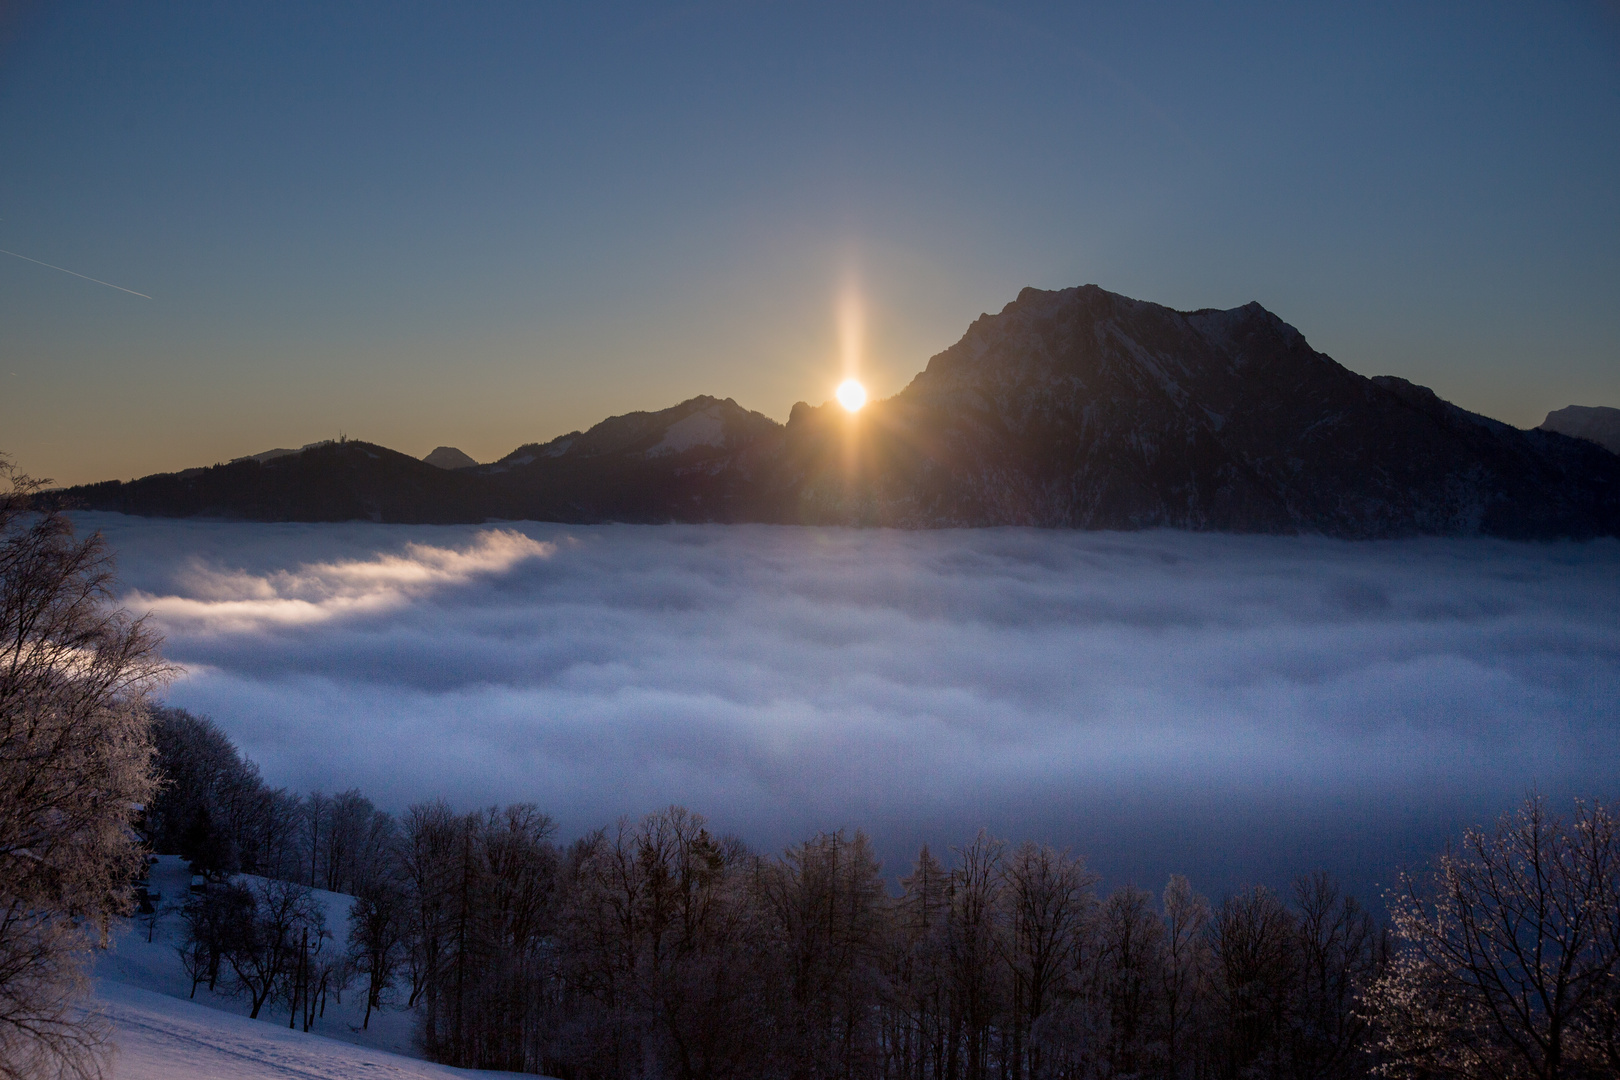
x=448, y=457
x=1077, y=409
x=1599, y=423
x=702, y=460
x=334, y=481
x=1087, y=409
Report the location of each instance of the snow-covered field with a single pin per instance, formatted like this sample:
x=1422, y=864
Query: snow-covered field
x=158, y=1037
x=155, y=966
x=1235, y=708
x=160, y=1033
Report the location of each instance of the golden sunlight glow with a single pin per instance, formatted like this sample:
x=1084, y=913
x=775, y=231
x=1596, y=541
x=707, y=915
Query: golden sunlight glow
x=851, y=327
x=851, y=395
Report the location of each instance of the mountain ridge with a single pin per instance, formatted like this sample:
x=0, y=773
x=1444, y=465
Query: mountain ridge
x=1073, y=408
x=1599, y=423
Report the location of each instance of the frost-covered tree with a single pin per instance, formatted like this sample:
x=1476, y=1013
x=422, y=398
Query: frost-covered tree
x=824, y=912
x=75, y=769
x=1508, y=956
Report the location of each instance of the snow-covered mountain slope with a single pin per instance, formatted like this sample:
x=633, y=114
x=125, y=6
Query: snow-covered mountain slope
x=158, y=1037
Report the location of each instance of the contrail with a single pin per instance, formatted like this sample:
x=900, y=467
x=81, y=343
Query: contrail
x=75, y=273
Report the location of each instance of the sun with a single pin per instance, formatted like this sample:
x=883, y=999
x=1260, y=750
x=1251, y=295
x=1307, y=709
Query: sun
x=851, y=395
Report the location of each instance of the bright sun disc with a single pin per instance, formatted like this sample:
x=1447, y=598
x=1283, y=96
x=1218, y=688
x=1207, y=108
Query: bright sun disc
x=851, y=394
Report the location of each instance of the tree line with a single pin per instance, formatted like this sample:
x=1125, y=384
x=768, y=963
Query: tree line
x=655, y=948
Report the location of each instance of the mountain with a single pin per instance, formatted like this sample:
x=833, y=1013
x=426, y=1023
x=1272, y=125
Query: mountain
x=448, y=457
x=1598, y=423
x=1086, y=409
x=698, y=461
x=267, y=455
x=1078, y=408
x=342, y=480
x=705, y=459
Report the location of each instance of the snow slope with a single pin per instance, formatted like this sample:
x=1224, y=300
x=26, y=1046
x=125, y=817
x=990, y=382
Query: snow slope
x=160, y=1033
x=158, y=1037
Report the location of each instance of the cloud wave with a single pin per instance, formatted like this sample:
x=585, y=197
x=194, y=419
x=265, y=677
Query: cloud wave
x=235, y=601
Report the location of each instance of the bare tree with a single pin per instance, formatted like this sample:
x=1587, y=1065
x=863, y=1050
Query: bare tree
x=427, y=861
x=1184, y=974
x=825, y=905
x=1049, y=902
x=378, y=941
x=1253, y=949
x=1340, y=951
x=213, y=922
x=919, y=997
x=1508, y=955
x=317, y=816
x=604, y=960
x=1129, y=962
x=312, y=970
x=973, y=950
x=263, y=953
x=75, y=769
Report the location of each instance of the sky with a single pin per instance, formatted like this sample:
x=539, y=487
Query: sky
x=1233, y=708
x=485, y=225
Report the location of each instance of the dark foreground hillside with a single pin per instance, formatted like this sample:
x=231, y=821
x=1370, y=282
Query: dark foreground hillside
x=1072, y=409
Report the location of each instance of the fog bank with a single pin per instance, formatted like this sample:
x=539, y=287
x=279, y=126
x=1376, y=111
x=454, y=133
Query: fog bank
x=1233, y=707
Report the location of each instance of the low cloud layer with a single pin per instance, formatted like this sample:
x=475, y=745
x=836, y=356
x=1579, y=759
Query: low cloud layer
x=1234, y=707
x=214, y=600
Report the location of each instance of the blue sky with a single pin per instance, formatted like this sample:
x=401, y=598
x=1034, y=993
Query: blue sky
x=481, y=225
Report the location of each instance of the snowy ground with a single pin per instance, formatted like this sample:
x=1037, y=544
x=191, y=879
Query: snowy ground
x=156, y=966
x=159, y=1037
x=163, y=1034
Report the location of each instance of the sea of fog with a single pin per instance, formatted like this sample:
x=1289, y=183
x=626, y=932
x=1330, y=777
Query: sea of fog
x=1234, y=708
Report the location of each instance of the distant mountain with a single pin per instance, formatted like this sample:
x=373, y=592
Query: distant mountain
x=267, y=455
x=1598, y=423
x=333, y=481
x=1074, y=409
x=448, y=457
x=702, y=460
